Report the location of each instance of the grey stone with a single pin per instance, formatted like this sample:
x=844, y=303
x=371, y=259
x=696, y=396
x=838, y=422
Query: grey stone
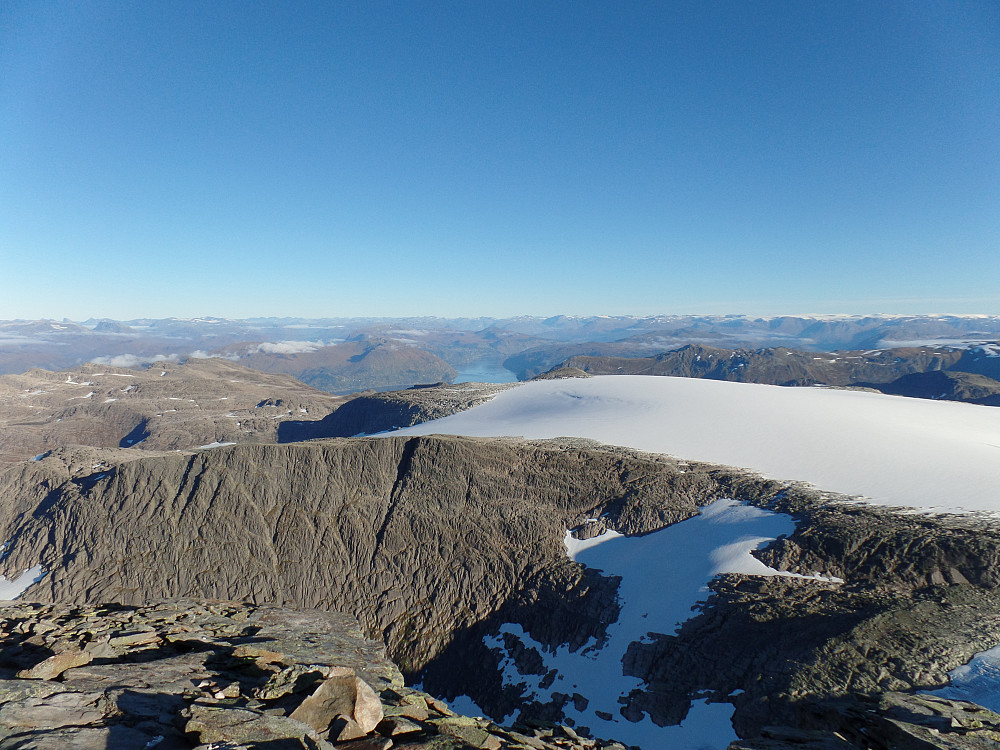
x=240, y=726
x=60, y=709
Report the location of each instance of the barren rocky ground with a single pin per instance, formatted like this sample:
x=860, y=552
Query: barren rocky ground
x=165, y=407
x=433, y=543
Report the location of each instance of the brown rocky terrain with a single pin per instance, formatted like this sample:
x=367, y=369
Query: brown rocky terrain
x=166, y=407
x=185, y=673
x=368, y=526
x=433, y=542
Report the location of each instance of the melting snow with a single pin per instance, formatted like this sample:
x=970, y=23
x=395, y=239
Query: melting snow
x=13, y=588
x=213, y=445
x=664, y=575
x=978, y=681
x=575, y=546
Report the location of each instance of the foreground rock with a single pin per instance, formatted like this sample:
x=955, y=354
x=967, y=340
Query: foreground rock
x=895, y=721
x=185, y=673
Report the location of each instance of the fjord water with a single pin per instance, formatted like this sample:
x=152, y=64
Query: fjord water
x=485, y=371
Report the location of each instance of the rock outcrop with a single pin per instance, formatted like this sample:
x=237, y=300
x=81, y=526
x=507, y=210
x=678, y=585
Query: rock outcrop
x=421, y=538
x=193, y=673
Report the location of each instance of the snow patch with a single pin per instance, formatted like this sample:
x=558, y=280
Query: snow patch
x=664, y=575
x=575, y=546
x=213, y=445
x=13, y=588
x=978, y=681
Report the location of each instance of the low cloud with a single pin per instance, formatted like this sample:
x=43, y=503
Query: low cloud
x=288, y=347
x=13, y=342
x=133, y=360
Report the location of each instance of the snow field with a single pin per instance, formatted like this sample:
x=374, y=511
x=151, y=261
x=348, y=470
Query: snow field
x=929, y=455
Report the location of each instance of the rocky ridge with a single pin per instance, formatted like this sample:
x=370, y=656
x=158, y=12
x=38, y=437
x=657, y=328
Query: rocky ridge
x=776, y=366
x=947, y=385
x=193, y=673
x=435, y=542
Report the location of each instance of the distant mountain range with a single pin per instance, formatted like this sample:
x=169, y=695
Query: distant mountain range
x=346, y=355
x=946, y=373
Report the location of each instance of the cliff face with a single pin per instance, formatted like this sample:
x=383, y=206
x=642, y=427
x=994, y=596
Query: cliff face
x=420, y=538
x=434, y=542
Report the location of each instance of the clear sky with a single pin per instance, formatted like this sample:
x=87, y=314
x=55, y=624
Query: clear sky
x=498, y=158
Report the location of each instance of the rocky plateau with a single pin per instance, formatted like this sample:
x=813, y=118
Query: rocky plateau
x=166, y=407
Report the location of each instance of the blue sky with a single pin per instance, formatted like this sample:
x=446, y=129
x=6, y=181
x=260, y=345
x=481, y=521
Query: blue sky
x=474, y=158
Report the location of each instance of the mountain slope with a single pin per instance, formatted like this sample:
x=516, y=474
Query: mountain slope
x=166, y=407
x=346, y=367
x=777, y=366
x=946, y=385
